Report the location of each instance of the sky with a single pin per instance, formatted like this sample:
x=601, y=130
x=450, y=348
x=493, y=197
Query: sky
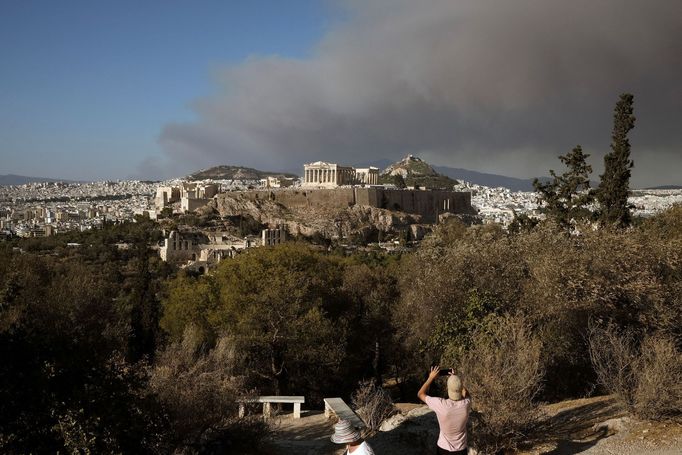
x=95, y=89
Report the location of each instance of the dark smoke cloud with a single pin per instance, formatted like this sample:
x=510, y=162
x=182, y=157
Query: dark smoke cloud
x=499, y=86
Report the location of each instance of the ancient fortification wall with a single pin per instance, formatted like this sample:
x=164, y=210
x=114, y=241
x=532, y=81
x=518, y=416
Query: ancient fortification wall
x=426, y=203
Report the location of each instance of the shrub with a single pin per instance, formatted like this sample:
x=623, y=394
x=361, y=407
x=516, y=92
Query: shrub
x=646, y=379
x=614, y=358
x=659, y=379
x=199, y=392
x=503, y=374
x=373, y=404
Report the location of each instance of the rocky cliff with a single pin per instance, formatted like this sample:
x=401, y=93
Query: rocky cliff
x=329, y=221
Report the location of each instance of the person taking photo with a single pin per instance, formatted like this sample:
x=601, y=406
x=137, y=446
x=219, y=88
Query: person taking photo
x=452, y=413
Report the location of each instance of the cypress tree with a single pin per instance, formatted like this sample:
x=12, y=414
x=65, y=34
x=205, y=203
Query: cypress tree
x=612, y=192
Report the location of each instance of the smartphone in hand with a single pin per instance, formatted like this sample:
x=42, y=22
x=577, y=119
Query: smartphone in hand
x=444, y=371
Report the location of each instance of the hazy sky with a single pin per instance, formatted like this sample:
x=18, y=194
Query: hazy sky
x=116, y=89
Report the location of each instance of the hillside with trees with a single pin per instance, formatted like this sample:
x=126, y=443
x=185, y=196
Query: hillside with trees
x=414, y=172
x=226, y=172
x=106, y=349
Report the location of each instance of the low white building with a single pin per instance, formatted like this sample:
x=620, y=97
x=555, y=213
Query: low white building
x=276, y=182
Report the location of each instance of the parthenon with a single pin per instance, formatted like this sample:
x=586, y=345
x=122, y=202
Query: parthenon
x=331, y=175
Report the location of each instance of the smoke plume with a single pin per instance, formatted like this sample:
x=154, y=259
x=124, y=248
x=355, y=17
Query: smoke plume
x=498, y=86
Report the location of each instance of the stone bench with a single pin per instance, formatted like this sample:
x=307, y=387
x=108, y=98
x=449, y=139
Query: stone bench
x=342, y=411
x=268, y=400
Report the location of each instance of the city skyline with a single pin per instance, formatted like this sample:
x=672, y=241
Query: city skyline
x=96, y=91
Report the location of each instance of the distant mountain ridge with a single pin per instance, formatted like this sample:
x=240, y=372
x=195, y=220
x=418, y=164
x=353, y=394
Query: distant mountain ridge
x=665, y=187
x=491, y=180
x=226, y=172
x=13, y=179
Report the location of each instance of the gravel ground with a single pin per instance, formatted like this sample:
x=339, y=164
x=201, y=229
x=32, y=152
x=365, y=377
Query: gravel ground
x=591, y=426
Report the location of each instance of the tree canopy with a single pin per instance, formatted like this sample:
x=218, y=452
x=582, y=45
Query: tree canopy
x=614, y=187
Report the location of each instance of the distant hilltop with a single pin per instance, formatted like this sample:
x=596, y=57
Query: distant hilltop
x=225, y=172
x=13, y=179
x=413, y=171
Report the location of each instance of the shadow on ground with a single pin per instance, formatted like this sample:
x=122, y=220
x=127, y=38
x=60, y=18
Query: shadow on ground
x=310, y=435
x=571, y=429
x=576, y=429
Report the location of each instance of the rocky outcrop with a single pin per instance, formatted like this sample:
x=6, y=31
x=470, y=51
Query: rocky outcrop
x=329, y=221
x=416, y=172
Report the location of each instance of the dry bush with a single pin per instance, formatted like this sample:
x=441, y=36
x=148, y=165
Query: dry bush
x=646, y=379
x=659, y=379
x=614, y=358
x=373, y=404
x=503, y=373
x=438, y=281
x=199, y=391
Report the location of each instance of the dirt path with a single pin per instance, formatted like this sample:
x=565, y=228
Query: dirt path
x=591, y=426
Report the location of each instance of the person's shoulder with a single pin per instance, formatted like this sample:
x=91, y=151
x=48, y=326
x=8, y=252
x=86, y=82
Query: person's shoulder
x=367, y=449
x=466, y=402
x=434, y=401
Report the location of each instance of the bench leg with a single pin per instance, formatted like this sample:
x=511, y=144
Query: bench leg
x=266, y=411
x=297, y=410
x=242, y=410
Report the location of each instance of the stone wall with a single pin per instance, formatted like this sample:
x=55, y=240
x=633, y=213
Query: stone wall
x=427, y=203
x=334, y=198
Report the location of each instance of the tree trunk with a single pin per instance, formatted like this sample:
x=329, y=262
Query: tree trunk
x=375, y=362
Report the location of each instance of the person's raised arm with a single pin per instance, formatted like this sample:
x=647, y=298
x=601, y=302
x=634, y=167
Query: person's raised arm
x=433, y=374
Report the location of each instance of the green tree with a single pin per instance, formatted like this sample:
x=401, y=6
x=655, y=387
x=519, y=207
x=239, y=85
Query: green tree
x=191, y=301
x=566, y=197
x=399, y=181
x=283, y=307
x=372, y=293
x=612, y=192
x=64, y=383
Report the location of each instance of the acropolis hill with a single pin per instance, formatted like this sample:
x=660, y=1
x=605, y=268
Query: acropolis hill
x=339, y=201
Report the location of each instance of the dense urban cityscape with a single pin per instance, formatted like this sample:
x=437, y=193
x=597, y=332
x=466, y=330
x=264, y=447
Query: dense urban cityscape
x=39, y=209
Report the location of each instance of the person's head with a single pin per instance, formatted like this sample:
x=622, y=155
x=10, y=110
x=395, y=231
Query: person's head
x=454, y=387
x=345, y=433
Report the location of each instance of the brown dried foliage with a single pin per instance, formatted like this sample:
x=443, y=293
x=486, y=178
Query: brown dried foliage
x=199, y=392
x=503, y=373
x=373, y=404
x=646, y=378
